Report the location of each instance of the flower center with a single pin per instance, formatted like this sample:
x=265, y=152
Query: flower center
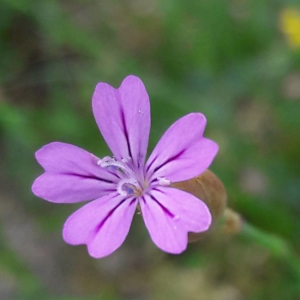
x=129, y=184
x=132, y=180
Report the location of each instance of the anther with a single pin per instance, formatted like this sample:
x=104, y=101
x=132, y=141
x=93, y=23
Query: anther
x=115, y=165
x=127, y=187
x=163, y=181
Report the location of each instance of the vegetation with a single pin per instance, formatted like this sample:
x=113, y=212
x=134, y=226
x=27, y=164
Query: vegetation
x=236, y=61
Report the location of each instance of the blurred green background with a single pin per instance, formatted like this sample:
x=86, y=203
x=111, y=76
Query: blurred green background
x=237, y=61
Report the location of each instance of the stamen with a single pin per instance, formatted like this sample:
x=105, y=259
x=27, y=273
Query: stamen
x=105, y=161
x=113, y=164
x=127, y=186
x=126, y=160
x=163, y=181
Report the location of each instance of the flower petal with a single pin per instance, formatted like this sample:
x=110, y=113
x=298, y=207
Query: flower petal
x=169, y=214
x=65, y=188
x=123, y=117
x=72, y=175
x=182, y=152
x=65, y=158
x=102, y=224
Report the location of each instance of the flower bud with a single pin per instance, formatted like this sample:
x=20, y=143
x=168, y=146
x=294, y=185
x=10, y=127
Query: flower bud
x=233, y=222
x=209, y=188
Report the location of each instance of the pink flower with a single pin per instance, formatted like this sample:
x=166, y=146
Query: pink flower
x=118, y=184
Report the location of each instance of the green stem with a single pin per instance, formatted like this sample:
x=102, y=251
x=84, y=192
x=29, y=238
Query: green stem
x=276, y=245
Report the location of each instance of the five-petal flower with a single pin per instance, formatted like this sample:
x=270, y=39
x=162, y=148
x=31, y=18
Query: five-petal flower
x=118, y=184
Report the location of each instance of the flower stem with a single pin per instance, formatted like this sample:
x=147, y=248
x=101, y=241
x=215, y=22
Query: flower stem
x=277, y=246
x=233, y=223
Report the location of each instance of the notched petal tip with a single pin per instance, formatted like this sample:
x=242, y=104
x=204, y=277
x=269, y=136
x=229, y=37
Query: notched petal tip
x=175, y=251
x=183, y=158
x=40, y=153
x=38, y=189
x=194, y=119
x=102, y=225
x=96, y=255
x=198, y=115
x=131, y=79
x=215, y=146
x=69, y=242
x=35, y=188
x=212, y=150
x=67, y=232
x=123, y=117
x=170, y=214
x=103, y=86
x=206, y=219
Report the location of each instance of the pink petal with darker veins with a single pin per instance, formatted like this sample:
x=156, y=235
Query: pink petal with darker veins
x=102, y=224
x=71, y=175
x=65, y=188
x=169, y=214
x=65, y=158
x=123, y=117
x=182, y=152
